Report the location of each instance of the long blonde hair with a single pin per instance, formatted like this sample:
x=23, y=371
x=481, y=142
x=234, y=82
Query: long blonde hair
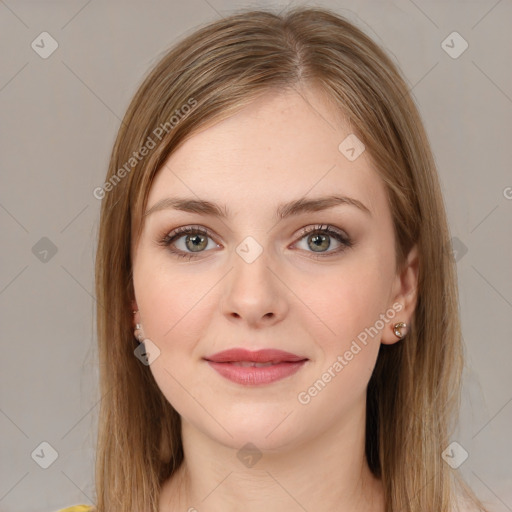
x=413, y=395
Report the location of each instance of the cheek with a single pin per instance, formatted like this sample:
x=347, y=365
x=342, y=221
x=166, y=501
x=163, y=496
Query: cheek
x=175, y=307
x=350, y=300
x=347, y=351
x=171, y=301
x=353, y=308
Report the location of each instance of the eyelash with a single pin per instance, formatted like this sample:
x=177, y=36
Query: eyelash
x=169, y=238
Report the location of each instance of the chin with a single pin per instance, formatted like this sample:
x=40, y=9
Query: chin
x=266, y=427
x=257, y=441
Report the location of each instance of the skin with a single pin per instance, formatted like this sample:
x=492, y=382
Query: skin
x=282, y=147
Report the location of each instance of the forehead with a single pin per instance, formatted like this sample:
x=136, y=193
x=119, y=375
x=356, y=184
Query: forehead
x=283, y=146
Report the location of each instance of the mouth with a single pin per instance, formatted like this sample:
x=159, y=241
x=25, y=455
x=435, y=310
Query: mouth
x=255, y=368
x=245, y=357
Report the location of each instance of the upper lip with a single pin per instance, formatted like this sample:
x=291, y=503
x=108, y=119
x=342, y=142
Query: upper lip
x=259, y=356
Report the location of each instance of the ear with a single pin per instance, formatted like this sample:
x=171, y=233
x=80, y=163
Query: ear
x=404, y=297
x=135, y=312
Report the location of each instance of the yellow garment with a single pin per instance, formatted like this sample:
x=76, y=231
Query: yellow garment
x=77, y=508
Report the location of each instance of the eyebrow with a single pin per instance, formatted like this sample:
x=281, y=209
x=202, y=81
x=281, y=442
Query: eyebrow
x=284, y=210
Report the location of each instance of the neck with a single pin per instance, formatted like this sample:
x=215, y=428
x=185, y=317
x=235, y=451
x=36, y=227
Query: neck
x=329, y=472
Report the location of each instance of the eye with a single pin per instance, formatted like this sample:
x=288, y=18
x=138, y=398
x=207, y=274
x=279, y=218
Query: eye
x=318, y=239
x=193, y=239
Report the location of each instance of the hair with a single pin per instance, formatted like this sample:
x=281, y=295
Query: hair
x=413, y=394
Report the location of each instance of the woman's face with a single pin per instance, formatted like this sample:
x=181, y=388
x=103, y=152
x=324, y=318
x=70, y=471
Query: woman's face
x=268, y=276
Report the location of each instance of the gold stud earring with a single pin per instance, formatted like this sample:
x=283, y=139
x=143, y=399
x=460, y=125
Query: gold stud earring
x=397, y=331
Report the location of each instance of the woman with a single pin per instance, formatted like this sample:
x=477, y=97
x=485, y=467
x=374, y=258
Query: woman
x=277, y=303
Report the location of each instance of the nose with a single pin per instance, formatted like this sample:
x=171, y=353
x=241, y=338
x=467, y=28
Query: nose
x=253, y=293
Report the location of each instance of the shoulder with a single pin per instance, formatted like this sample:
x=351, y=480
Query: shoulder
x=78, y=508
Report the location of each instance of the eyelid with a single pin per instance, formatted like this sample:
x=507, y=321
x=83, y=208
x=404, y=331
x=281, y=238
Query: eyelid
x=170, y=236
x=325, y=228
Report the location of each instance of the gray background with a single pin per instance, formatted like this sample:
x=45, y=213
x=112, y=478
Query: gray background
x=59, y=119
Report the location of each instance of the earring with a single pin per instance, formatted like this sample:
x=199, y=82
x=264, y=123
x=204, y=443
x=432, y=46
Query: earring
x=138, y=332
x=138, y=329
x=397, y=331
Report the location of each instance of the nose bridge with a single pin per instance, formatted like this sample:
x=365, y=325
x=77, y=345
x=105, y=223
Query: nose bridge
x=253, y=291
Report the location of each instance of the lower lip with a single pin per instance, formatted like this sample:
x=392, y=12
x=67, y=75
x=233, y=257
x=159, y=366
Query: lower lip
x=252, y=375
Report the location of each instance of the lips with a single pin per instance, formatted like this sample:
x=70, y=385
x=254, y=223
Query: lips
x=259, y=357
x=255, y=368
